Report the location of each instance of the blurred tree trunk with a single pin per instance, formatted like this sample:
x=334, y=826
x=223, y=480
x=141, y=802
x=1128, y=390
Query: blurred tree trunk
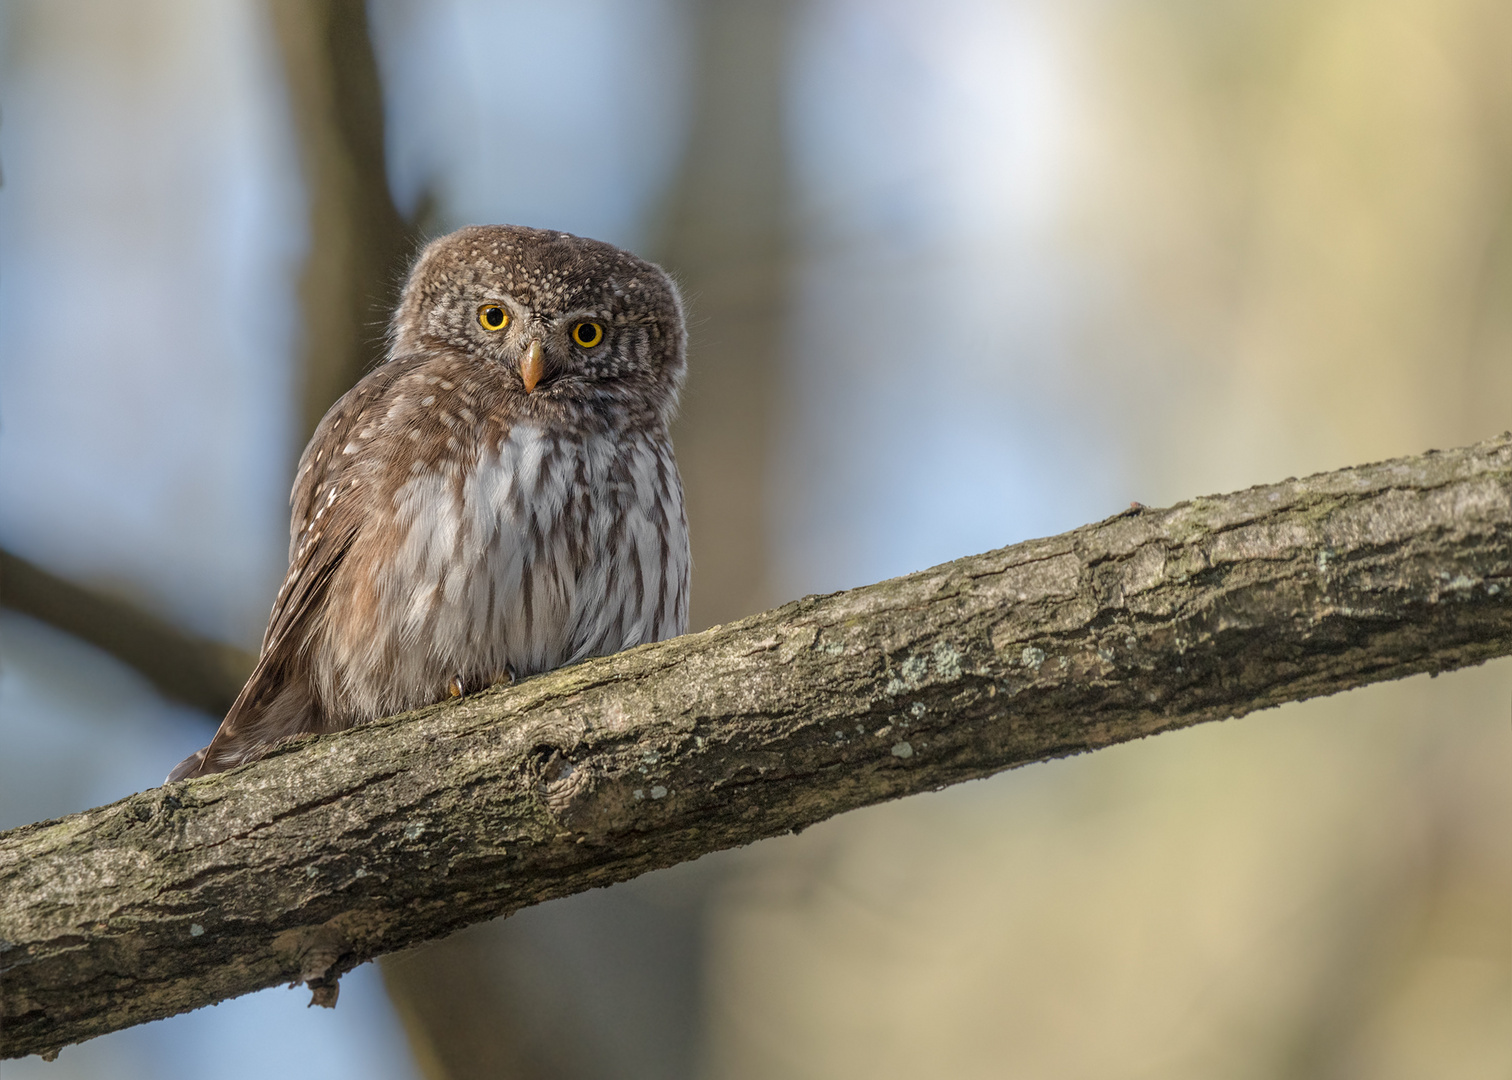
x=724, y=241
x=637, y=1007
x=359, y=251
x=460, y=1022
x=360, y=246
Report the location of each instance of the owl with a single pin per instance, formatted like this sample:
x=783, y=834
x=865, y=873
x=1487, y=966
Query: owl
x=497, y=498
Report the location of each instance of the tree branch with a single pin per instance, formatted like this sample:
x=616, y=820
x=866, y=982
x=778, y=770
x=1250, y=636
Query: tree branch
x=340, y=848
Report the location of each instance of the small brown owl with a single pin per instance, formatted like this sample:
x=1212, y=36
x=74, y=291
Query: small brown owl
x=496, y=499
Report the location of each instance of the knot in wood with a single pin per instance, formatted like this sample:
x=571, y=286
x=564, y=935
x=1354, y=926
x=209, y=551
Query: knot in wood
x=559, y=781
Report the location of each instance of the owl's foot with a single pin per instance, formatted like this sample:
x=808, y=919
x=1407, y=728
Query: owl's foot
x=457, y=686
x=506, y=677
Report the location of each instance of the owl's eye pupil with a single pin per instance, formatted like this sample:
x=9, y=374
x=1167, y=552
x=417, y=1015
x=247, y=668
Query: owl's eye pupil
x=587, y=334
x=492, y=316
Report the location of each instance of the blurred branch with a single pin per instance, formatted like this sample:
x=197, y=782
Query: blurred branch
x=360, y=245
x=339, y=848
x=205, y=674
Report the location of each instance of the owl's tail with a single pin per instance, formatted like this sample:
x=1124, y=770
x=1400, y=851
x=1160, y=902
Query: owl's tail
x=190, y=766
x=271, y=709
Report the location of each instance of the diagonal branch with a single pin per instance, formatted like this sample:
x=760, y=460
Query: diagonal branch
x=340, y=848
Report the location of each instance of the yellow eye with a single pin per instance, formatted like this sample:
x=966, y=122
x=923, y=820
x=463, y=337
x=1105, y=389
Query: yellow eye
x=493, y=317
x=587, y=334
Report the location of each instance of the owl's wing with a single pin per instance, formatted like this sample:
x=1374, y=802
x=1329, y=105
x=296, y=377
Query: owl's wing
x=276, y=702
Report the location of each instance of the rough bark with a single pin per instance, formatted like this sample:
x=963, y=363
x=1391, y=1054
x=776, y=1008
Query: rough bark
x=340, y=848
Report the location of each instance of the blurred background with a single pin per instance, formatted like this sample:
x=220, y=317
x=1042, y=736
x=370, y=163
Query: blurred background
x=961, y=272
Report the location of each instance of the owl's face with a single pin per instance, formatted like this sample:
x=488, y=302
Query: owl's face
x=572, y=321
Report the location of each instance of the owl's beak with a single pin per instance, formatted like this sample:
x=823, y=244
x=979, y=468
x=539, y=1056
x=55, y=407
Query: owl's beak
x=532, y=366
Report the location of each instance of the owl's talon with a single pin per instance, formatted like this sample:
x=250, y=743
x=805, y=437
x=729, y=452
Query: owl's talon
x=454, y=687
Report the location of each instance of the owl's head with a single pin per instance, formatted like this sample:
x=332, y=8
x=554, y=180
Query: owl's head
x=574, y=321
